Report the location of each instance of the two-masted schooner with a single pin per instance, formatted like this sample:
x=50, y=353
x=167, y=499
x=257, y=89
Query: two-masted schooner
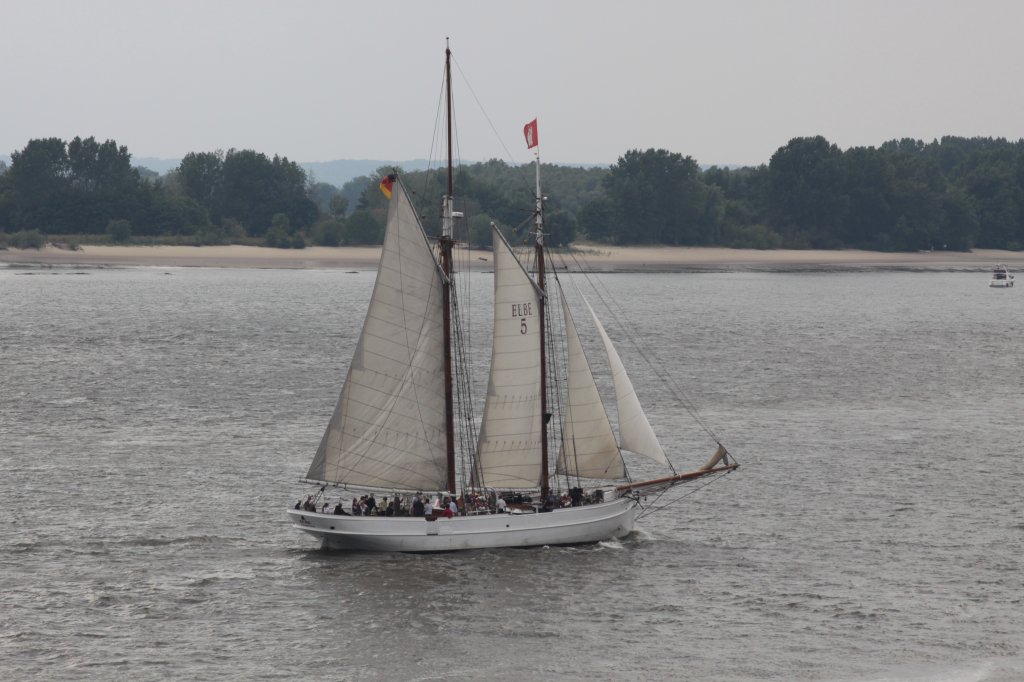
x=393, y=430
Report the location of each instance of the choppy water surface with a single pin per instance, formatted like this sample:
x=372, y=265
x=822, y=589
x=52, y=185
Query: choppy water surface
x=154, y=423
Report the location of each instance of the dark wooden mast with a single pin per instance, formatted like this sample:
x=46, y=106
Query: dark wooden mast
x=544, y=483
x=446, y=242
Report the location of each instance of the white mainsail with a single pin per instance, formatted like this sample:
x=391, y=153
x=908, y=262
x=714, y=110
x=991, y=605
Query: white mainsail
x=635, y=432
x=388, y=428
x=509, y=447
x=588, y=444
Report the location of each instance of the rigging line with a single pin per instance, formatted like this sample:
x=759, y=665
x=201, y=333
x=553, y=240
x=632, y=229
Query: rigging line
x=462, y=383
x=524, y=177
x=561, y=292
x=463, y=349
x=461, y=368
x=438, y=136
x=650, y=509
x=608, y=359
x=557, y=390
x=628, y=330
x=466, y=425
x=618, y=315
x=483, y=111
x=435, y=139
x=526, y=253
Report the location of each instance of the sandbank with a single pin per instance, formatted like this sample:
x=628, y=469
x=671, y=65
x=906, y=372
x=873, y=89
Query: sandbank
x=596, y=258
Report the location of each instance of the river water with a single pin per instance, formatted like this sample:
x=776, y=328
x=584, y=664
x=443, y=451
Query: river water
x=154, y=424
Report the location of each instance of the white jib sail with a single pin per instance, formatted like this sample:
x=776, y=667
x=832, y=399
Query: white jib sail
x=588, y=444
x=388, y=428
x=510, y=433
x=635, y=432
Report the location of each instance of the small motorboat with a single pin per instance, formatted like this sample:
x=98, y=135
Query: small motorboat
x=1001, y=277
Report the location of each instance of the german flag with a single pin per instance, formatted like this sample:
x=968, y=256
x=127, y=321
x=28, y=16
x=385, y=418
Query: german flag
x=386, y=183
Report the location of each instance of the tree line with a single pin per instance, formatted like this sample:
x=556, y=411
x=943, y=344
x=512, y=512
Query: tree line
x=955, y=193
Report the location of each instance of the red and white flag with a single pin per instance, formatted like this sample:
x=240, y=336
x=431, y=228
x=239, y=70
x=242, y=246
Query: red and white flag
x=530, y=131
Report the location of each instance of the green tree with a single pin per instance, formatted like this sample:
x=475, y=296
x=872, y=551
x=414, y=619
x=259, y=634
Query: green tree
x=255, y=188
x=277, y=238
x=560, y=226
x=169, y=212
x=362, y=228
x=101, y=167
x=659, y=198
x=479, y=231
x=808, y=204
x=232, y=229
x=280, y=222
x=997, y=195
x=339, y=206
x=74, y=187
x=324, y=195
x=40, y=180
x=201, y=175
x=328, y=232
x=119, y=231
x=870, y=180
x=598, y=219
x=27, y=239
x=354, y=189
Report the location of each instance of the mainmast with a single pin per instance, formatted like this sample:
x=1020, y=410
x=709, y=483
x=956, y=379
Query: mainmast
x=446, y=243
x=532, y=142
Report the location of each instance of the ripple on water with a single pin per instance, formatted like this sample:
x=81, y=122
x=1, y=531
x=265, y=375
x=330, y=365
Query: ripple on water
x=151, y=438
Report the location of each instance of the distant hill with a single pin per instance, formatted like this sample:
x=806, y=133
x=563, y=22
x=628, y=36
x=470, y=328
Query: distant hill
x=161, y=166
x=339, y=172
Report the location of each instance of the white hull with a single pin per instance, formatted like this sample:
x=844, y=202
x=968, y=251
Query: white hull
x=568, y=526
x=1001, y=278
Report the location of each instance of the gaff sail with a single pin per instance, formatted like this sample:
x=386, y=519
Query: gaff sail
x=388, y=428
x=509, y=447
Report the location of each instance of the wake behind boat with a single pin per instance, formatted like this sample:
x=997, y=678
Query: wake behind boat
x=405, y=427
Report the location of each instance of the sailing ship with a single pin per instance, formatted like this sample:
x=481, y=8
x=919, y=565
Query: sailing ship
x=397, y=422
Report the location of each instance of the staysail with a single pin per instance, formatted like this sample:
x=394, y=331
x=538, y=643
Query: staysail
x=388, y=428
x=509, y=447
x=588, y=444
x=635, y=432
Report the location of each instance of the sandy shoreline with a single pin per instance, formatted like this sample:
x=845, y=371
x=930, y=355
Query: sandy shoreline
x=599, y=258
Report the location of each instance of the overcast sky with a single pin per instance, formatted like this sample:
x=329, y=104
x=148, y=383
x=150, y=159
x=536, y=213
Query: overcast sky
x=726, y=82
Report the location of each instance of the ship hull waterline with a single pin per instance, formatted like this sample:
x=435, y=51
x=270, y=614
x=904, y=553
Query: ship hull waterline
x=566, y=526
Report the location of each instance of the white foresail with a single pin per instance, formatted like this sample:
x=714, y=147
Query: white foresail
x=635, y=432
x=510, y=434
x=588, y=444
x=388, y=428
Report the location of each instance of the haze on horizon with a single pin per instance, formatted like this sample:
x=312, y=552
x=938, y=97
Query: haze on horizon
x=726, y=83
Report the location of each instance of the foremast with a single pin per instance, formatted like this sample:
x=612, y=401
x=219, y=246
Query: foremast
x=446, y=243
x=532, y=142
